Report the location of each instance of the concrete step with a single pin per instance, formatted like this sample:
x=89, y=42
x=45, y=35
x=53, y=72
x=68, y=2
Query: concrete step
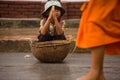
x=24, y=45
x=15, y=34
x=18, y=39
x=32, y=22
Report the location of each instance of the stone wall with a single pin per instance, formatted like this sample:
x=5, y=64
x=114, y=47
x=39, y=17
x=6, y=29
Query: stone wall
x=28, y=9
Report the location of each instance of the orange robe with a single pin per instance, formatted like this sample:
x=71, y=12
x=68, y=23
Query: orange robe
x=100, y=26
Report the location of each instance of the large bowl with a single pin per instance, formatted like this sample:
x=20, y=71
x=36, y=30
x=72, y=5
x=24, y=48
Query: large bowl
x=51, y=51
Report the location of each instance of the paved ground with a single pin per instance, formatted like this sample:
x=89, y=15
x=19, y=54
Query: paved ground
x=15, y=66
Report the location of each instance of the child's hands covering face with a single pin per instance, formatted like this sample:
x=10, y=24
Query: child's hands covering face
x=52, y=14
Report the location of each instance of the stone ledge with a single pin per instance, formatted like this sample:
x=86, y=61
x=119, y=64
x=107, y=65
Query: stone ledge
x=24, y=46
x=72, y=23
x=19, y=22
x=14, y=46
x=31, y=23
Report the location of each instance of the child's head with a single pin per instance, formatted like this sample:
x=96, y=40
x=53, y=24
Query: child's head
x=58, y=8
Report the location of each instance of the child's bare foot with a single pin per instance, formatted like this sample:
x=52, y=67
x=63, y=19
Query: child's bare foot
x=91, y=76
x=87, y=77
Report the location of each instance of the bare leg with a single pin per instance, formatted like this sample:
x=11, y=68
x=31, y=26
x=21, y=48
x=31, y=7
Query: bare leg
x=96, y=71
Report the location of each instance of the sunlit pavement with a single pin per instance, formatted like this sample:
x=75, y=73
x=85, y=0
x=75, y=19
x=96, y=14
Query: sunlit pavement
x=23, y=66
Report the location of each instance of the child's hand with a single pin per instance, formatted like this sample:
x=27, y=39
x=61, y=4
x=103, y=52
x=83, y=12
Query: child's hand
x=51, y=13
x=53, y=8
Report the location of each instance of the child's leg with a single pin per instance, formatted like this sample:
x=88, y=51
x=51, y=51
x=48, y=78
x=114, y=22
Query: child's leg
x=60, y=37
x=45, y=37
x=96, y=71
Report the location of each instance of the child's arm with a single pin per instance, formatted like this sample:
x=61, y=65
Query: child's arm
x=58, y=27
x=57, y=24
x=44, y=27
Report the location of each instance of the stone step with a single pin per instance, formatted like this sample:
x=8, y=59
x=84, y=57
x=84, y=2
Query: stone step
x=31, y=23
x=24, y=45
x=18, y=39
x=15, y=34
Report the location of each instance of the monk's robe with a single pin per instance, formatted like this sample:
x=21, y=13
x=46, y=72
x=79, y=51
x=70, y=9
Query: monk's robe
x=100, y=26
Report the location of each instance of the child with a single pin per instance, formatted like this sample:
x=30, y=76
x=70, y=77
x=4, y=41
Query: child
x=52, y=27
x=100, y=31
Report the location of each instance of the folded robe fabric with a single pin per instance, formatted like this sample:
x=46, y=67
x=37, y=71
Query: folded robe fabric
x=100, y=25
